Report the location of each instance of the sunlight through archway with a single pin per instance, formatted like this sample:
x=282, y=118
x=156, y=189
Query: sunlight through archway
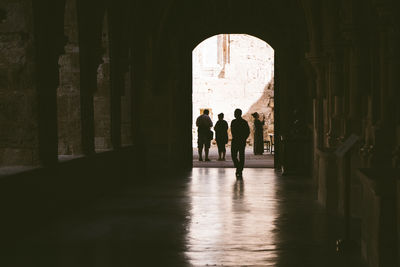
x=234, y=71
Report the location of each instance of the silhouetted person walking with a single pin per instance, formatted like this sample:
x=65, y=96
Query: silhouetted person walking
x=240, y=132
x=204, y=134
x=258, y=144
x=221, y=136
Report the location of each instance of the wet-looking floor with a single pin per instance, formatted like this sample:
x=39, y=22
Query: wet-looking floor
x=206, y=218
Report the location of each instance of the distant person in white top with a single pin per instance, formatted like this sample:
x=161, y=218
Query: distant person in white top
x=204, y=134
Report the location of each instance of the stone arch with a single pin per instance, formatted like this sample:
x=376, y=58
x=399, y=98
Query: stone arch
x=197, y=39
x=197, y=23
x=311, y=11
x=269, y=38
x=285, y=70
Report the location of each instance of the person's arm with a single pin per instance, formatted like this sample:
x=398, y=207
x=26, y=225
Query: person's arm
x=226, y=126
x=210, y=122
x=233, y=129
x=247, y=129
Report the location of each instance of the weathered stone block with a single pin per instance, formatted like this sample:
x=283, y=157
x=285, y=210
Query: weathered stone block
x=327, y=180
x=378, y=220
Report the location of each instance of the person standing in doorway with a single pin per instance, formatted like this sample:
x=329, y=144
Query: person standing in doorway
x=204, y=123
x=258, y=145
x=221, y=136
x=240, y=132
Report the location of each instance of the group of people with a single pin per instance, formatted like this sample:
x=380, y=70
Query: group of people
x=240, y=132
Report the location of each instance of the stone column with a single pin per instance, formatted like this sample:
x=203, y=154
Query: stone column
x=354, y=92
x=395, y=87
x=320, y=68
x=384, y=130
x=88, y=81
x=49, y=44
x=116, y=75
x=19, y=144
x=394, y=93
x=90, y=56
x=318, y=127
x=102, y=96
x=335, y=134
x=380, y=179
x=331, y=51
x=126, y=110
x=68, y=95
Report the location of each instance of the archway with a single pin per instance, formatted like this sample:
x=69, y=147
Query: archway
x=234, y=71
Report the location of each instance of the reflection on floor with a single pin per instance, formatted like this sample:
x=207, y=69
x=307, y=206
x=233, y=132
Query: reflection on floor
x=206, y=218
x=251, y=161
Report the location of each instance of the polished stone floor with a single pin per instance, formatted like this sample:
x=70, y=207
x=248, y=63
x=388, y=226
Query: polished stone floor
x=206, y=218
x=251, y=161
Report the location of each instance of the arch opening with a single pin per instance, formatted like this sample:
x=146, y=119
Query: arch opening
x=232, y=71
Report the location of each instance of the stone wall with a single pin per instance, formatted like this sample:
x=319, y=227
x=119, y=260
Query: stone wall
x=355, y=91
x=18, y=95
x=265, y=107
x=68, y=93
x=102, y=116
x=126, y=112
x=233, y=71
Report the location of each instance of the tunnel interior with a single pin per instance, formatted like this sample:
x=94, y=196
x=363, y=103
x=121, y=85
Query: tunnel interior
x=95, y=96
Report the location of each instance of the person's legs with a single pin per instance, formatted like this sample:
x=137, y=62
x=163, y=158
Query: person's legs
x=241, y=159
x=200, y=154
x=234, y=151
x=219, y=150
x=200, y=149
x=223, y=152
x=207, y=145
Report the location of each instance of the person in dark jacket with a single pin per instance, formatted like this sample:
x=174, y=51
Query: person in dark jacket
x=221, y=136
x=258, y=145
x=240, y=132
x=204, y=123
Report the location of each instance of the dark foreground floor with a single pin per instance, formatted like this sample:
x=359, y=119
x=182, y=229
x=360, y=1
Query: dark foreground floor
x=207, y=218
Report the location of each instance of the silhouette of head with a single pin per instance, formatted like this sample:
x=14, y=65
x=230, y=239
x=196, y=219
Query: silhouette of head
x=238, y=113
x=206, y=112
x=255, y=115
x=221, y=116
